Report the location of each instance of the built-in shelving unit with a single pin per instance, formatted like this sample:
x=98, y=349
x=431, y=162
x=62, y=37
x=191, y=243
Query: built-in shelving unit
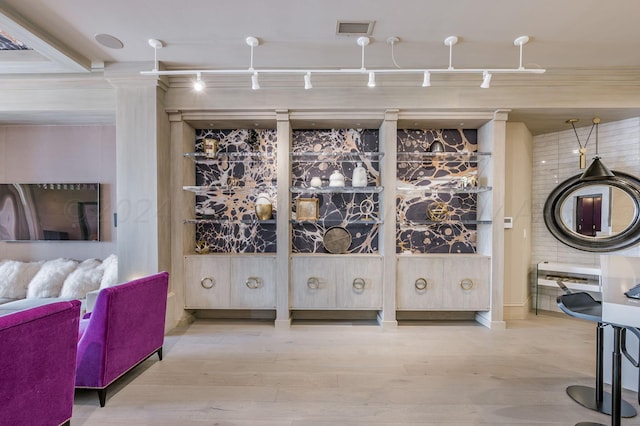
x=396, y=251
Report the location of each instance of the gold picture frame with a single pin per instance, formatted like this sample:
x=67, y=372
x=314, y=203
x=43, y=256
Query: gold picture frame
x=307, y=209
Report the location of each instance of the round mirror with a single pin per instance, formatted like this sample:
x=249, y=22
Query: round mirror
x=596, y=216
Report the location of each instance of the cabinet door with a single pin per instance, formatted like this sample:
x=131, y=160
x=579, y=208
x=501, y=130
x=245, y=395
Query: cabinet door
x=253, y=282
x=206, y=282
x=420, y=283
x=313, y=282
x=360, y=286
x=467, y=281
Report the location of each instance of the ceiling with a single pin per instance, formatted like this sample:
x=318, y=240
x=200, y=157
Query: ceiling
x=567, y=34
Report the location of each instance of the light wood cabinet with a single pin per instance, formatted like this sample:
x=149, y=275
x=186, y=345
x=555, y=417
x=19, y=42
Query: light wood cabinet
x=230, y=282
x=336, y=282
x=453, y=282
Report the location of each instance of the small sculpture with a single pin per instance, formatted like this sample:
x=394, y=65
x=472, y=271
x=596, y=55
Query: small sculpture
x=316, y=182
x=202, y=247
x=336, y=179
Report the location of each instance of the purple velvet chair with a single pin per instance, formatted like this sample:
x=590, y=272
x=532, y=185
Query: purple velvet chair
x=37, y=364
x=125, y=327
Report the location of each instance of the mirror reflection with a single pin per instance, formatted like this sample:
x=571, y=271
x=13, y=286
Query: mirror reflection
x=598, y=210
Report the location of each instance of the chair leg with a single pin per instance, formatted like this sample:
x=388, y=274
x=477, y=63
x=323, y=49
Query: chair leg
x=160, y=353
x=102, y=396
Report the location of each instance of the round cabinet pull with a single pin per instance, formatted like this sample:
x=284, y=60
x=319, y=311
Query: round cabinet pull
x=358, y=284
x=253, y=282
x=313, y=283
x=466, y=284
x=421, y=284
x=207, y=283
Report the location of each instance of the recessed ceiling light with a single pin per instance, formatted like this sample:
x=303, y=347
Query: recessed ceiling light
x=109, y=41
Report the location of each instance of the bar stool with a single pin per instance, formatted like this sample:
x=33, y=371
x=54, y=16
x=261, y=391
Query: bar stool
x=581, y=305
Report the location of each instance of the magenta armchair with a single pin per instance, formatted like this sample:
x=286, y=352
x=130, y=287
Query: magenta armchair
x=37, y=364
x=125, y=327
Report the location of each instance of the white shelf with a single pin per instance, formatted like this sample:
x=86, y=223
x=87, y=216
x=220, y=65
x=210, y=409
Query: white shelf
x=569, y=268
x=570, y=284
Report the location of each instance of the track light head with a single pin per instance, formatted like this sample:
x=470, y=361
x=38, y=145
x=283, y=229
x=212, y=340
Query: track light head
x=486, y=80
x=307, y=81
x=198, y=85
x=255, y=84
x=372, y=79
x=426, y=81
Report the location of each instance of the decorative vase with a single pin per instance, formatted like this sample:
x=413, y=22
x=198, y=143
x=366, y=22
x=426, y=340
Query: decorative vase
x=336, y=179
x=359, y=177
x=316, y=182
x=436, y=146
x=263, y=206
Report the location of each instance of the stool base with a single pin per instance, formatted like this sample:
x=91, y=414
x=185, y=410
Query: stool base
x=586, y=396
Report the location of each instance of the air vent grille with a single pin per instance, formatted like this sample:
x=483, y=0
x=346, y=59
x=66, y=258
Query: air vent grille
x=355, y=28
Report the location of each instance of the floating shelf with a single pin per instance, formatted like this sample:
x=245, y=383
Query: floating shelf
x=202, y=158
x=443, y=222
x=443, y=190
x=335, y=156
x=337, y=190
x=323, y=222
x=230, y=189
x=450, y=157
x=222, y=221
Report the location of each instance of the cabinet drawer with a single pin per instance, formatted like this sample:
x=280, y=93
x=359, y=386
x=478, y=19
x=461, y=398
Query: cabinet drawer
x=206, y=282
x=420, y=283
x=253, y=283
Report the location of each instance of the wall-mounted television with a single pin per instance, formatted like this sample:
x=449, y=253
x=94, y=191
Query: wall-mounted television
x=50, y=211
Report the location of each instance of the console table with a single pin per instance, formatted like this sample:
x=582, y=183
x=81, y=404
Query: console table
x=574, y=276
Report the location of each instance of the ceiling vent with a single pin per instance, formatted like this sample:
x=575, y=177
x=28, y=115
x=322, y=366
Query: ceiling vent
x=355, y=28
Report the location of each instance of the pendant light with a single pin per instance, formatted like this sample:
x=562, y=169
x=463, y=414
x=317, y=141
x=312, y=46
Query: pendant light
x=597, y=170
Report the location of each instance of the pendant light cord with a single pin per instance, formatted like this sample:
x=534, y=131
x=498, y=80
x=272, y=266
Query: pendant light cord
x=588, y=137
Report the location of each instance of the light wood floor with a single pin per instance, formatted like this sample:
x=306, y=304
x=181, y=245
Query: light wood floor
x=341, y=373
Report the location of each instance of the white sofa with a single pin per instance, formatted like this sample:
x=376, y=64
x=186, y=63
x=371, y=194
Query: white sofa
x=28, y=284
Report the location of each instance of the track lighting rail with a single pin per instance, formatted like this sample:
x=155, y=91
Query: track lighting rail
x=307, y=73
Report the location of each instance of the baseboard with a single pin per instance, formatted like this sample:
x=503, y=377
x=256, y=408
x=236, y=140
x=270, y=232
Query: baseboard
x=516, y=312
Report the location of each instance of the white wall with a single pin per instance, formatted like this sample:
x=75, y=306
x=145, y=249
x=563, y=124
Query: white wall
x=553, y=162
x=58, y=154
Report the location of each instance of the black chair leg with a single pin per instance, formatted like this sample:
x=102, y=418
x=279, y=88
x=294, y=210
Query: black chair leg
x=102, y=396
x=160, y=353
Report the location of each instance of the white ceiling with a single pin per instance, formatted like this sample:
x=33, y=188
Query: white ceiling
x=565, y=34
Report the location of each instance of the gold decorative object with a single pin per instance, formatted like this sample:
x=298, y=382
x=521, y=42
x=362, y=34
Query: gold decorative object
x=202, y=247
x=438, y=211
x=264, y=208
x=210, y=147
x=337, y=240
x=307, y=209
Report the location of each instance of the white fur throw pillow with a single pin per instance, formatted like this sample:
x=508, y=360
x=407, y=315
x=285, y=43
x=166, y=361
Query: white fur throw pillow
x=110, y=276
x=49, y=279
x=15, y=277
x=84, y=279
